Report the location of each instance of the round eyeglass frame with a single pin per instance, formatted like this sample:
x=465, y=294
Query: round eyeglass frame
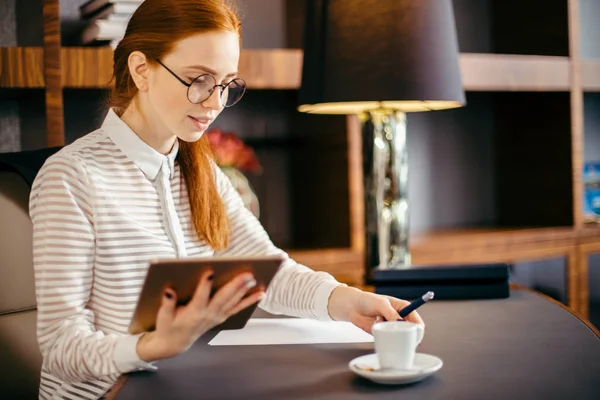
x=221, y=86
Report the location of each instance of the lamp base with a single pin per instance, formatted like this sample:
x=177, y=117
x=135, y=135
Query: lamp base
x=457, y=282
x=385, y=175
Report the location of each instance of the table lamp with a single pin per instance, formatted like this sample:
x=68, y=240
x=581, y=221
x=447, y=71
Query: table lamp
x=381, y=59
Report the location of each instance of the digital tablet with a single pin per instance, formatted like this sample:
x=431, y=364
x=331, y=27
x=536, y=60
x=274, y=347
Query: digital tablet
x=183, y=275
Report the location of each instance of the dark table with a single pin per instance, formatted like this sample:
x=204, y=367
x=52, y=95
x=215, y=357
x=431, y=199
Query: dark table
x=523, y=347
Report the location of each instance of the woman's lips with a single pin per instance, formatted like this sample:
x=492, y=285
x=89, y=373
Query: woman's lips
x=200, y=123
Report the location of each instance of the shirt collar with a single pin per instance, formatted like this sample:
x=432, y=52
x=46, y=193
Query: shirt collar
x=143, y=155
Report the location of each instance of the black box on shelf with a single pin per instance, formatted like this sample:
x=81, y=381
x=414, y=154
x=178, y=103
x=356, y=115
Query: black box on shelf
x=457, y=282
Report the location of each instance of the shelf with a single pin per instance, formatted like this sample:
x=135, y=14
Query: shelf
x=491, y=245
x=282, y=69
x=458, y=246
x=91, y=67
x=505, y=72
x=590, y=236
x=590, y=75
x=271, y=69
x=86, y=67
x=22, y=67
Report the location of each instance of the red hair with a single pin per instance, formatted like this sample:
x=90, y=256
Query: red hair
x=154, y=29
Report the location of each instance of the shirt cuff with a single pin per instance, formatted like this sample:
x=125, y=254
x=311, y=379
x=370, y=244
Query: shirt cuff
x=126, y=356
x=322, y=295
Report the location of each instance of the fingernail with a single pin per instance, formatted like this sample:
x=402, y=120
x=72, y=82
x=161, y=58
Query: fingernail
x=250, y=282
x=262, y=296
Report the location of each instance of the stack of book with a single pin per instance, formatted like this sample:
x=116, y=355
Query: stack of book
x=591, y=191
x=106, y=20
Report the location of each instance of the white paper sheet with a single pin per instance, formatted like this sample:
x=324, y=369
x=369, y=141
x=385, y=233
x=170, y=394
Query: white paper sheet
x=265, y=331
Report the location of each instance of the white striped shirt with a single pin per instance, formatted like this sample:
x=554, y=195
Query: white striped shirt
x=102, y=208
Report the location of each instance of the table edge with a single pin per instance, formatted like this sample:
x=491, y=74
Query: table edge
x=112, y=393
x=580, y=317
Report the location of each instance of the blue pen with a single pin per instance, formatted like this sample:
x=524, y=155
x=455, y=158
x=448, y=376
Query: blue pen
x=416, y=304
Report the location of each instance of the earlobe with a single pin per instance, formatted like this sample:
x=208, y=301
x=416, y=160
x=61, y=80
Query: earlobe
x=138, y=67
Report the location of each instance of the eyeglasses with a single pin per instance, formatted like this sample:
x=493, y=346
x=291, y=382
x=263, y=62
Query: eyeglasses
x=202, y=87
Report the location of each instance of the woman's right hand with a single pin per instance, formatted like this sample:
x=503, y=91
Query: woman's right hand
x=177, y=328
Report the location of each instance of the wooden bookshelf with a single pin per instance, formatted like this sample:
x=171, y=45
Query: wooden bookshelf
x=505, y=65
x=91, y=67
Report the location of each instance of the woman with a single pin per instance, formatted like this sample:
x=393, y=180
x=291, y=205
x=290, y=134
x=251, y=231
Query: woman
x=143, y=187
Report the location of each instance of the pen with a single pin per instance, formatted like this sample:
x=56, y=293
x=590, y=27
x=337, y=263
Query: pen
x=416, y=304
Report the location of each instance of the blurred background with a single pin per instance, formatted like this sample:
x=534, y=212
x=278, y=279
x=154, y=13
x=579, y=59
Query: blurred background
x=510, y=177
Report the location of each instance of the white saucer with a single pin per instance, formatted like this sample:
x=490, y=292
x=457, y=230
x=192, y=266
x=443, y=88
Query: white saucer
x=424, y=366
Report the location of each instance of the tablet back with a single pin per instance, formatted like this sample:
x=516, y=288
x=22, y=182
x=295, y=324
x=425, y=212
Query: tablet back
x=183, y=275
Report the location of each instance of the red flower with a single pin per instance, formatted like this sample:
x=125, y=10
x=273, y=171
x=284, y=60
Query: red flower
x=230, y=151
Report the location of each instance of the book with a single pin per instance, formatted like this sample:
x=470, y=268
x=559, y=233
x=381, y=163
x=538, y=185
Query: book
x=118, y=6
x=591, y=192
x=110, y=12
x=103, y=30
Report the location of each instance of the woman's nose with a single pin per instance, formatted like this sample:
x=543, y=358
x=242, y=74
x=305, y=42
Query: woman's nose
x=214, y=100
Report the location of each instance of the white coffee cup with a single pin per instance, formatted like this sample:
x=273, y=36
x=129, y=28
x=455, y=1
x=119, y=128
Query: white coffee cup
x=396, y=343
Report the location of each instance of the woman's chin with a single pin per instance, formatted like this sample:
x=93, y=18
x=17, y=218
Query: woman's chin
x=192, y=136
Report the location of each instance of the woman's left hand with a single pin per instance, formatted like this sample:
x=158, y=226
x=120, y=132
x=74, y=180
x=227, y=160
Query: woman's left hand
x=362, y=308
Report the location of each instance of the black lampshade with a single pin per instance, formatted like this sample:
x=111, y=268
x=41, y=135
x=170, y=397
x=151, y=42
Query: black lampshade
x=367, y=54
